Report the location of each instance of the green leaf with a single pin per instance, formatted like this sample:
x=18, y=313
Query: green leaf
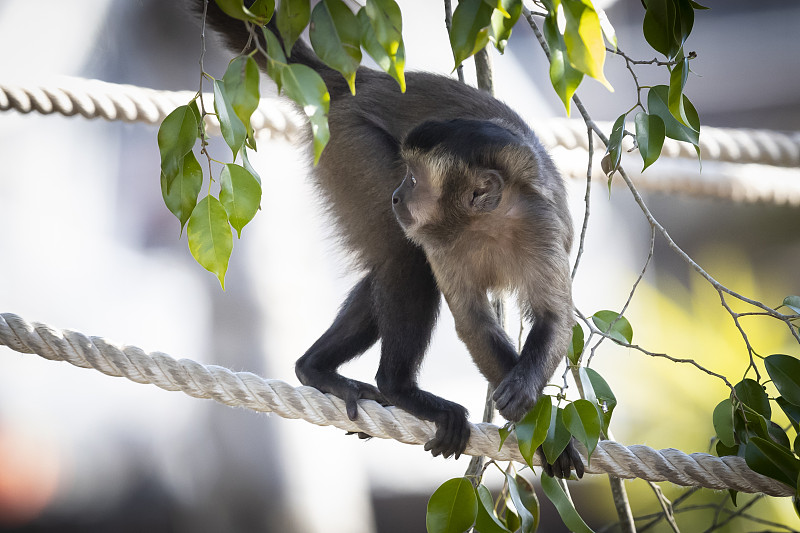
x=657, y=98
x=452, y=508
x=685, y=21
x=335, y=37
x=666, y=26
x=210, y=238
x=723, y=423
x=241, y=88
x=793, y=303
x=675, y=97
x=504, y=17
x=201, y=125
x=697, y=6
x=752, y=394
x=650, y=132
x=276, y=60
x=487, y=521
x=621, y=331
x=552, y=489
x=583, y=421
x=176, y=137
x=584, y=39
x=504, y=432
x=511, y=519
x=785, y=373
x=532, y=429
x=769, y=459
x=236, y=9
x=292, y=18
x=240, y=194
x=392, y=65
x=530, y=502
x=594, y=383
x=778, y=435
x=575, y=349
x=797, y=444
x=563, y=76
x=792, y=412
x=748, y=423
x=608, y=29
x=528, y=521
x=233, y=131
x=796, y=500
x=386, y=21
x=263, y=9
x=499, y=7
x=306, y=88
x=180, y=197
x=249, y=167
x=723, y=450
x=610, y=161
x=557, y=436
x=469, y=32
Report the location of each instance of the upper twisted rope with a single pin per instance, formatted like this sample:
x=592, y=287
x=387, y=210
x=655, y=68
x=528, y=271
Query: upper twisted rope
x=243, y=389
x=94, y=98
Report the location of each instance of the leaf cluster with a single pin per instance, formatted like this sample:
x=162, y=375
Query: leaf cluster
x=458, y=505
x=744, y=423
x=337, y=36
x=208, y=221
x=667, y=111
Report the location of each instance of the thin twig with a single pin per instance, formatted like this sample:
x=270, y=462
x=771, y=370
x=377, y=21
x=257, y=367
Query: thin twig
x=666, y=507
x=740, y=511
x=448, y=22
x=203, y=139
x=586, y=201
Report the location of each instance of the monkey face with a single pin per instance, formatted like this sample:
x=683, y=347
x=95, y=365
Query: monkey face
x=414, y=202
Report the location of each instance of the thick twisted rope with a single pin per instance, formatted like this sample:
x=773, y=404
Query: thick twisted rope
x=129, y=103
x=731, y=145
x=93, y=98
x=243, y=389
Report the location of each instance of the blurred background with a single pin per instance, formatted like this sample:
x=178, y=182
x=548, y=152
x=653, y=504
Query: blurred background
x=88, y=245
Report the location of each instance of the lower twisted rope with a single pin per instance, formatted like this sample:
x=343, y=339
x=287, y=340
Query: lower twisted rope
x=244, y=389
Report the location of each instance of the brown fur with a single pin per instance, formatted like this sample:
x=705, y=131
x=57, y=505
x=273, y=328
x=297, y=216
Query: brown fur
x=488, y=212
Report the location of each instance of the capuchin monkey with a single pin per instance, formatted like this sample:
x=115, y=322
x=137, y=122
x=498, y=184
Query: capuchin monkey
x=441, y=190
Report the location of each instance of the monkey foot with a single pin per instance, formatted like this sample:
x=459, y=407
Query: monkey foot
x=567, y=461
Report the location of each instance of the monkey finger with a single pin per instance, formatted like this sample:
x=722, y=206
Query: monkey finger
x=564, y=464
x=577, y=462
x=351, y=405
x=546, y=467
x=361, y=434
x=433, y=446
x=463, y=440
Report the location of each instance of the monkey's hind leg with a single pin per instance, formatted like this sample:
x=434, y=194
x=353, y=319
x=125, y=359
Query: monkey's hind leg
x=407, y=304
x=353, y=331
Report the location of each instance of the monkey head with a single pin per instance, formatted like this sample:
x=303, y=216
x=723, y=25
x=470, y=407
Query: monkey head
x=464, y=177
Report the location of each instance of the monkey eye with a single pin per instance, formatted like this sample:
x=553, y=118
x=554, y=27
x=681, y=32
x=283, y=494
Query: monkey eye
x=413, y=180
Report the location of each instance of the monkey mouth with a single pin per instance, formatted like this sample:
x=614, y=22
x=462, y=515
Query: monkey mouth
x=402, y=215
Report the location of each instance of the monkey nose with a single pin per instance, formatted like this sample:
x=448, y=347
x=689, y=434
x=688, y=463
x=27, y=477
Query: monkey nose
x=395, y=198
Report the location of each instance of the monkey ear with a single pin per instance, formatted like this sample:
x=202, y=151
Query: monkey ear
x=488, y=191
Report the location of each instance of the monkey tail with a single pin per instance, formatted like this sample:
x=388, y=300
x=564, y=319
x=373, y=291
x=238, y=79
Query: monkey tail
x=236, y=37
